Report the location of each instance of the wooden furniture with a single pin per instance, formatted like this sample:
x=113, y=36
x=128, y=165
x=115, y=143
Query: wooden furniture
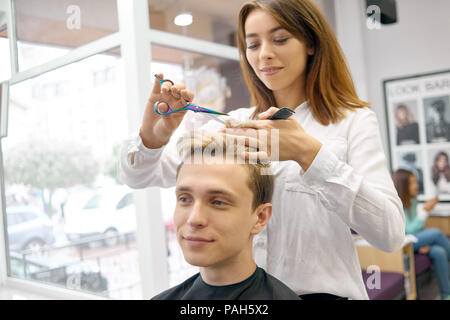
x=400, y=261
x=440, y=222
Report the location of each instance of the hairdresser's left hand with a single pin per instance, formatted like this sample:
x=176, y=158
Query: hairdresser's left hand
x=293, y=142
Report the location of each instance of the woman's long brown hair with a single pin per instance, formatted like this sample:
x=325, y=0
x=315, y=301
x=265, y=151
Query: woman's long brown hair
x=435, y=171
x=329, y=86
x=401, y=183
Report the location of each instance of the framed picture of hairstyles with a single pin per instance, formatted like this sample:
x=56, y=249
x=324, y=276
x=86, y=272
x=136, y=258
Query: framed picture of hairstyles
x=418, y=122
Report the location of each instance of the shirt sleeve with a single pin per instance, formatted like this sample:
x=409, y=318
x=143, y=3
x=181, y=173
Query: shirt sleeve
x=361, y=190
x=141, y=167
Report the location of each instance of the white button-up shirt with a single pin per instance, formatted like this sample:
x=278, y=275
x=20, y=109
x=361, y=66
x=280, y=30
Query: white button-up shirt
x=307, y=243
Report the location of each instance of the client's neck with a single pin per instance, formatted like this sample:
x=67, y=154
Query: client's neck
x=230, y=271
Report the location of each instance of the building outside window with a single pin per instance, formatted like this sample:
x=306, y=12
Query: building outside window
x=66, y=108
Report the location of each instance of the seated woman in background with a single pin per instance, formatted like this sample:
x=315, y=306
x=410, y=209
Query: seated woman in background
x=431, y=241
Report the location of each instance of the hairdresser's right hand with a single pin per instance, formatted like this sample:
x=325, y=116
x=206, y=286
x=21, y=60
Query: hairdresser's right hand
x=156, y=130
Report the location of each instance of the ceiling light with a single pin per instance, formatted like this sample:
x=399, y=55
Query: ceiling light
x=183, y=19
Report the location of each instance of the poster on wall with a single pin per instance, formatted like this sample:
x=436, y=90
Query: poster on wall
x=418, y=121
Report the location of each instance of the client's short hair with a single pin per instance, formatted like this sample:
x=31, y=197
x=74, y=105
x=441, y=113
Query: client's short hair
x=204, y=146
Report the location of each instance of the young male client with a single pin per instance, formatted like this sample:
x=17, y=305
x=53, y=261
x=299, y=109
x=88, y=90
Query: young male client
x=220, y=207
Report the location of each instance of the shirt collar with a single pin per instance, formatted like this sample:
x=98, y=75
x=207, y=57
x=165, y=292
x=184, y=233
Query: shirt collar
x=301, y=106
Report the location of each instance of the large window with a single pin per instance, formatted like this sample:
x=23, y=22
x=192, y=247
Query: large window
x=72, y=100
x=69, y=221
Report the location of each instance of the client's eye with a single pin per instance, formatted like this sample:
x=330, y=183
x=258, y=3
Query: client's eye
x=218, y=203
x=183, y=199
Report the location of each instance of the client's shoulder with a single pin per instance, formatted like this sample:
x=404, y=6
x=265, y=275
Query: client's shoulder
x=278, y=289
x=176, y=292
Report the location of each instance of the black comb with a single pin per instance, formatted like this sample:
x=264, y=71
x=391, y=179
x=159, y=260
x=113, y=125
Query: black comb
x=282, y=114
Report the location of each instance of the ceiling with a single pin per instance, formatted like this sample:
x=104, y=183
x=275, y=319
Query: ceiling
x=225, y=9
x=45, y=21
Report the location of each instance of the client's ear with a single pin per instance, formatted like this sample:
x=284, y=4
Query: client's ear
x=263, y=213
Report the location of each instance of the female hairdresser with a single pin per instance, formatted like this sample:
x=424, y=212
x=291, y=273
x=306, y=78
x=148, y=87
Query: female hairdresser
x=332, y=173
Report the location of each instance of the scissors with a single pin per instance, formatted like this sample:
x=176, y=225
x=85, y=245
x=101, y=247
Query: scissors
x=189, y=106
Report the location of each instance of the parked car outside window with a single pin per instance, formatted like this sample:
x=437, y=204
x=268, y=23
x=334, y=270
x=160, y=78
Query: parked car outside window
x=29, y=228
x=106, y=211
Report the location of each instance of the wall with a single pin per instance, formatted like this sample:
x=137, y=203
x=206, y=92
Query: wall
x=417, y=43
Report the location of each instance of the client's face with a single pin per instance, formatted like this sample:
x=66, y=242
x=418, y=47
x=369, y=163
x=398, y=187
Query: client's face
x=213, y=215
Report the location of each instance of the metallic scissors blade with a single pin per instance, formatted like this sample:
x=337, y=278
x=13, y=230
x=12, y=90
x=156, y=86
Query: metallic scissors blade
x=214, y=117
x=196, y=108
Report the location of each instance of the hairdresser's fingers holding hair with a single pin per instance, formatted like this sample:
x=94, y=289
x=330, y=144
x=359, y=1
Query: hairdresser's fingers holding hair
x=247, y=148
x=256, y=156
x=268, y=113
x=244, y=141
x=284, y=139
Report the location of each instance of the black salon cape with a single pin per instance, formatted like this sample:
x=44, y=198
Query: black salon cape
x=259, y=286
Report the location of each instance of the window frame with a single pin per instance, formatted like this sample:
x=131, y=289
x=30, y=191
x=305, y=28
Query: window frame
x=135, y=39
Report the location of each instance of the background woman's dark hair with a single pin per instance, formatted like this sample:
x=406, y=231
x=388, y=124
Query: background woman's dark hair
x=435, y=171
x=401, y=183
x=329, y=85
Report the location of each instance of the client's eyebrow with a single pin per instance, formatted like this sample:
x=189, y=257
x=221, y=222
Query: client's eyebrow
x=252, y=35
x=212, y=191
